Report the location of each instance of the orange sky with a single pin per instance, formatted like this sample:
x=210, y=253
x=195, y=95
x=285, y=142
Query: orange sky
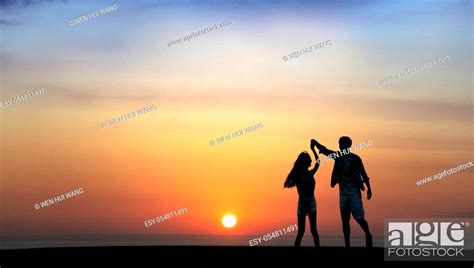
x=227, y=80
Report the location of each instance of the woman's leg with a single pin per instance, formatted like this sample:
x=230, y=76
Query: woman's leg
x=314, y=230
x=301, y=226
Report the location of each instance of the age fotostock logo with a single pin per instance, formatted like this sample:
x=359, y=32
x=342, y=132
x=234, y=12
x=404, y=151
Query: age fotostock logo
x=426, y=240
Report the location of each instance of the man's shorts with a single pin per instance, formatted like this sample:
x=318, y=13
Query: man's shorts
x=351, y=204
x=306, y=205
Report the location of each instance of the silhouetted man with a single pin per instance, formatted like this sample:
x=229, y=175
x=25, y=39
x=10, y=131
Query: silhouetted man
x=350, y=174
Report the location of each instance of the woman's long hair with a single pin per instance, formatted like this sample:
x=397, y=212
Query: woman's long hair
x=301, y=164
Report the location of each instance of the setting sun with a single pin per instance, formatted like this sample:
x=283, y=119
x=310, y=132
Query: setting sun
x=229, y=221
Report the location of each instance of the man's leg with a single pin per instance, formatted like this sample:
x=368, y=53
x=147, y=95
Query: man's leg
x=368, y=236
x=359, y=215
x=345, y=218
x=346, y=228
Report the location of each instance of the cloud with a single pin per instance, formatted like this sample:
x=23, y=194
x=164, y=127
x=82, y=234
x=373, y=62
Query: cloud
x=8, y=23
x=24, y=3
x=251, y=4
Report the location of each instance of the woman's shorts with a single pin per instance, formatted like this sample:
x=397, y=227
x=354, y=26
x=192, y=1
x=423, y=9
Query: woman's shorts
x=306, y=205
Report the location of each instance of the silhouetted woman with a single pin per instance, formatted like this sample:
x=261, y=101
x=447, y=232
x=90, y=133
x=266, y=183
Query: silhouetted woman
x=305, y=183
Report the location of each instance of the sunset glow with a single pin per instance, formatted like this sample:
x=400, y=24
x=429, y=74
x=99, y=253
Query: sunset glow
x=217, y=84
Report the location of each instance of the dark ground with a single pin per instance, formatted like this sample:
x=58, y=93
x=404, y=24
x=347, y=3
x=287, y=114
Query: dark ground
x=192, y=256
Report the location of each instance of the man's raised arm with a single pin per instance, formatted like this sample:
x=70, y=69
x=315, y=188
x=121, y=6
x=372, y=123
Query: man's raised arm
x=322, y=149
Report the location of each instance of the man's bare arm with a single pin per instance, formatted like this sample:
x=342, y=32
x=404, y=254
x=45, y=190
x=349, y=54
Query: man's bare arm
x=365, y=179
x=322, y=149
